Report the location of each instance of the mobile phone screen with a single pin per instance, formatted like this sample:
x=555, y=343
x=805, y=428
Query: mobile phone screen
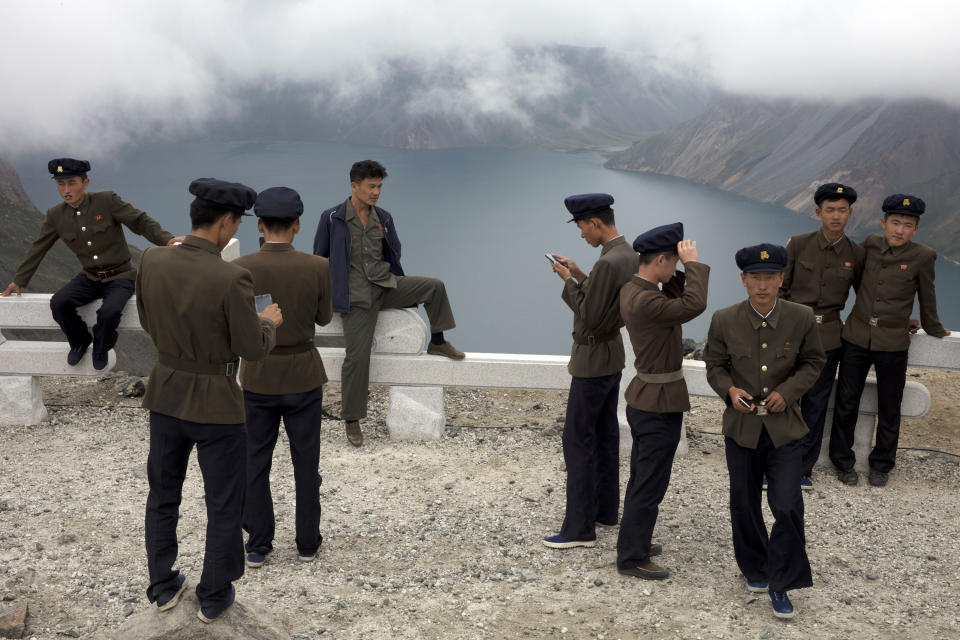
x=549, y=257
x=262, y=302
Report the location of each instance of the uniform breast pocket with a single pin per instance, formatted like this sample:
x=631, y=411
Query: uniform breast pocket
x=806, y=265
x=102, y=225
x=903, y=282
x=784, y=352
x=739, y=350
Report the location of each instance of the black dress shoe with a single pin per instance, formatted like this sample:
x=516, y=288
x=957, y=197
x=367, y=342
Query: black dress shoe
x=99, y=360
x=76, y=355
x=848, y=477
x=877, y=478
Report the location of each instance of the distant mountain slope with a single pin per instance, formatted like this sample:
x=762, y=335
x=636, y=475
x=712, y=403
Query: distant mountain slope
x=584, y=98
x=779, y=151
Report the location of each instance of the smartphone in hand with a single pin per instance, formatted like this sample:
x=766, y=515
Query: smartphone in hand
x=552, y=259
x=743, y=402
x=262, y=302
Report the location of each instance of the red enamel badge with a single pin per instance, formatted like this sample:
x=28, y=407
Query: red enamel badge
x=903, y=267
x=97, y=218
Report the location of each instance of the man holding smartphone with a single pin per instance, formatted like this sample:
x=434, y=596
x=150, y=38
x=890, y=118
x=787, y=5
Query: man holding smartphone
x=822, y=267
x=288, y=384
x=657, y=395
x=762, y=355
x=591, y=431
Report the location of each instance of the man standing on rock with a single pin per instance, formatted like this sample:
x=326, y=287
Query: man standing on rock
x=878, y=333
x=657, y=396
x=361, y=242
x=199, y=311
x=822, y=266
x=591, y=431
x=90, y=225
x=288, y=384
x=762, y=355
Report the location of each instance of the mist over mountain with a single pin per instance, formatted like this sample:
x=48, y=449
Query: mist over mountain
x=778, y=151
x=556, y=97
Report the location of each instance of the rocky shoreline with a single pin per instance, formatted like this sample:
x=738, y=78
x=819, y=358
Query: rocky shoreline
x=442, y=539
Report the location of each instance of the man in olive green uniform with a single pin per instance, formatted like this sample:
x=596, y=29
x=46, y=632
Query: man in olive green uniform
x=657, y=395
x=821, y=268
x=878, y=333
x=762, y=355
x=199, y=311
x=361, y=242
x=288, y=384
x=591, y=432
x=90, y=224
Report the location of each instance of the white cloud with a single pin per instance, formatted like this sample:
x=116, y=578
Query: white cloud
x=111, y=73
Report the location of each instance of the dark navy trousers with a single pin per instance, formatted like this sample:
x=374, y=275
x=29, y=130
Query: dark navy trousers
x=591, y=451
x=655, y=440
x=82, y=290
x=813, y=406
x=221, y=453
x=781, y=556
x=891, y=369
x=301, y=414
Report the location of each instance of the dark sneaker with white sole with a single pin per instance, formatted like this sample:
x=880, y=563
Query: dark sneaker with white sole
x=782, y=607
x=170, y=600
x=757, y=586
x=559, y=542
x=209, y=613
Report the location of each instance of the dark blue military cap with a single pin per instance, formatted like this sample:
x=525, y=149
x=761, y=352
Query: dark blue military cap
x=662, y=238
x=762, y=258
x=282, y=203
x=67, y=167
x=587, y=204
x=835, y=191
x=904, y=204
x=229, y=195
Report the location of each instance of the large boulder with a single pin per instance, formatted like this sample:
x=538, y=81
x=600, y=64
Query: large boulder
x=181, y=623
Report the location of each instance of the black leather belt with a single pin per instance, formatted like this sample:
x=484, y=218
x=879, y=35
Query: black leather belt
x=879, y=322
x=606, y=336
x=204, y=368
x=103, y=274
x=288, y=350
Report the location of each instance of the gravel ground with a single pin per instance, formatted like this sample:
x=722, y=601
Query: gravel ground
x=442, y=539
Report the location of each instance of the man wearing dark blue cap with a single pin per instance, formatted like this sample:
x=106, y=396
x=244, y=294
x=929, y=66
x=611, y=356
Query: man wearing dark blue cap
x=878, y=333
x=762, y=355
x=361, y=242
x=822, y=267
x=199, y=311
x=90, y=225
x=591, y=431
x=288, y=384
x=657, y=395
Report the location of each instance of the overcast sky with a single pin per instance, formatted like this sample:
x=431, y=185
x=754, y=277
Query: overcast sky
x=132, y=70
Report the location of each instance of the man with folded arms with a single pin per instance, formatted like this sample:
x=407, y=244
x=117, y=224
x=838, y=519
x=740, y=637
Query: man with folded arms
x=199, y=311
x=288, y=384
x=878, y=333
x=762, y=355
x=657, y=396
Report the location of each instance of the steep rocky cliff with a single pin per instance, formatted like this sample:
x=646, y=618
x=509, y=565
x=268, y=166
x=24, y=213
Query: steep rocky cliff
x=779, y=151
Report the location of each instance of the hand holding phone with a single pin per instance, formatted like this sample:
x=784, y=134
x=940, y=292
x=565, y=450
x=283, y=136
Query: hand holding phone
x=550, y=258
x=743, y=402
x=262, y=302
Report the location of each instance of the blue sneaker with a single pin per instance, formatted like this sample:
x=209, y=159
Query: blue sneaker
x=170, y=600
x=757, y=586
x=764, y=485
x=782, y=607
x=209, y=613
x=559, y=542
x=806, y=483
x=256, y=560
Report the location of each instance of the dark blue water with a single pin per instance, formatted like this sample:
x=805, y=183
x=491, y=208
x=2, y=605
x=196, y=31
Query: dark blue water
x=481, y=219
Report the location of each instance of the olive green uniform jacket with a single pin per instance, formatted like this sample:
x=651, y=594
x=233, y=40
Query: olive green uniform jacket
x=94, y=234
x=781, y=353
x=654, y=318
x=596, y=311
x=199, y=311
x=891, y=277
x=300, y=284
x=820, y=275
